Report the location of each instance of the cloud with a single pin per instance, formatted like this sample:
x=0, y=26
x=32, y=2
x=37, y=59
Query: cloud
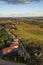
x=18, y=1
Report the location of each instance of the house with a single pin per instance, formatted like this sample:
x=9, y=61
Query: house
x=15, y=40
x=2, y=24
x=6, y=50
x=9, y=49
x=14, y=46
x=6, y=28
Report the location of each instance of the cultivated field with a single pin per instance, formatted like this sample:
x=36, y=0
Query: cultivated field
x=30, y=31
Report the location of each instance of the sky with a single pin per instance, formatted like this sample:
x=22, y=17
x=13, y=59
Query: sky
x=21, y=8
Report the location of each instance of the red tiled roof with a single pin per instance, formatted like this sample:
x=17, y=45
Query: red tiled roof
x=9, y=48
x=12, y=45
x=16, y=39
x=6, y=49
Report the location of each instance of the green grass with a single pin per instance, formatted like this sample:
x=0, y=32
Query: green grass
x=27, y=31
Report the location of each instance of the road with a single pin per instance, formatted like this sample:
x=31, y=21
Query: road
x=3, y=62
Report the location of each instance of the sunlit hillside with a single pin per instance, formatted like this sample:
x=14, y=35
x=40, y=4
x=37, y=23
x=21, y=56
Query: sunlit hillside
x=30, y=32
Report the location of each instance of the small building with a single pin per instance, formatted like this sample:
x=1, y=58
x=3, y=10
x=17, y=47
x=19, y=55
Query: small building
x=15, y=40
x=7, y=28
x=9, y=49
x=6, y=50
x=34, y=51
x=14, y=46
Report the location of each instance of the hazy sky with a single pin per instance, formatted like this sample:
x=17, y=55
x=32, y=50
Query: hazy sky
x=19, y=8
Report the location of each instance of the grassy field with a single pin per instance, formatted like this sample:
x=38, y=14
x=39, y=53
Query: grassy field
x=27, y=29
x=30, y=32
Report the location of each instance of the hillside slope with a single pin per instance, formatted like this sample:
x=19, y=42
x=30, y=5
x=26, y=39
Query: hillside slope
x=30, y=32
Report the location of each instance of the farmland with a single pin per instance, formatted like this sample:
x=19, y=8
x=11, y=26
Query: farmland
x=30, y=31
